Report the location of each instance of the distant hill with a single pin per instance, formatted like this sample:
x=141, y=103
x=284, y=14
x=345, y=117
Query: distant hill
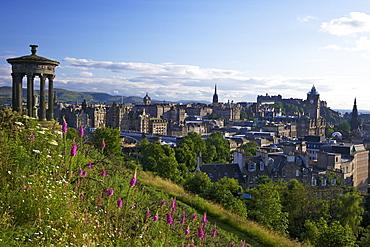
x=71, y=97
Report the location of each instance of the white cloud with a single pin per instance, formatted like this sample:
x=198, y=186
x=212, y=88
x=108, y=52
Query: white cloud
x=187, y=82
x=180, y=82
x=306, y=18
x=356, y=22
x=86, y=74
x=360, y=45
x=158, y=70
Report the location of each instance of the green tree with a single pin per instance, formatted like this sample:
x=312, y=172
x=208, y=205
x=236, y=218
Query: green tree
x=220, y=194
x=366, y=216
x=365, y=238
x=231, y=184
x=329, y=131
x=343, y=128
x=265, y=207
x=301, y=203
x=112, y=139
x=197, y=182
x=191, y=146
x=250, y=148
x=349, y=211
x=222, y=147
x=159, y=159
x=324, y=234
x=263, y=179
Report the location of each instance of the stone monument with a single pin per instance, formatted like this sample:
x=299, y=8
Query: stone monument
x=31, y=66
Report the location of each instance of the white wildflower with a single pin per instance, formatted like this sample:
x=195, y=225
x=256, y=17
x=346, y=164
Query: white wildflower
x=55, y=143
x=36, y=151
x=10, y=172
x=41, y=132
x=19, y=123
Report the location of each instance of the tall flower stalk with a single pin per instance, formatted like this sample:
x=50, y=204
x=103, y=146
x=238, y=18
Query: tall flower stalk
x=81, y=133
x=132, y=184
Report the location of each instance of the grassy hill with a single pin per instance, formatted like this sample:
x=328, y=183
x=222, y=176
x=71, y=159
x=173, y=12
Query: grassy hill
x=58, y=192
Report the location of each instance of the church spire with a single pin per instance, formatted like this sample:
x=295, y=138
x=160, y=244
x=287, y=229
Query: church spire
x=354, y=119
x=215, y=96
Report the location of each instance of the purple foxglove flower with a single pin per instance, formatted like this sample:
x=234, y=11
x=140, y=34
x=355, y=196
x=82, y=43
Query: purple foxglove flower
x=173, y=205
x=200, y=232
x=183, y=219
x=169, y=218
x=119, y=203
x=80, y=172
x=74, y=150
x=243, y=244
x=155, y=218
x=187, y=232
x=232, y=245
x=103, y=173
x=82, y=196
x=89, y=166
x=205, y=219
x=214, y=232
x=84, y=173
x=109, y=192
x=31, y=137
x=194, y=216
x=163, y=202
x=103, y=144
x=133, y=181
x=81, y=131
x=28, y=188
x=64, y=127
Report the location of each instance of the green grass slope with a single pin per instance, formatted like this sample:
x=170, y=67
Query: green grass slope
x=59, y=192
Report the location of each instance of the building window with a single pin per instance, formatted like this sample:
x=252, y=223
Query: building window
x=262, y=166
x=313, y=181
x=252, y=166
x=323, y=182
x=297, y=173
x=333, y=181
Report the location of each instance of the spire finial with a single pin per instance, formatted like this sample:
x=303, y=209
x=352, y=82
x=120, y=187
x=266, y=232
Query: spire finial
x=33, y=49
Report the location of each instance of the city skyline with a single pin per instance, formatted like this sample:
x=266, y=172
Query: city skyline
x=178, y=50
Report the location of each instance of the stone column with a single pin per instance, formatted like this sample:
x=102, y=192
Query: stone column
x=30, y=94
x=17, y=91
x=42, y=105
x=51, y=98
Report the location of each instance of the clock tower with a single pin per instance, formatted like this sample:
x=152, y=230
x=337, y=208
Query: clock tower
x=313, y=104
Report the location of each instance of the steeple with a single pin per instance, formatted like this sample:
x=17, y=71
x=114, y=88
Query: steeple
x=354, y=119
x=215, y=96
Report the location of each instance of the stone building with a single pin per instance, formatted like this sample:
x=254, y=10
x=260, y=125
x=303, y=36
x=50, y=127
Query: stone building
x=312, y=123
x=115, y=115
x=348, y=162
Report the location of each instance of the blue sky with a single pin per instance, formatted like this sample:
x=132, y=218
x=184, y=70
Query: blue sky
x=180, y=49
